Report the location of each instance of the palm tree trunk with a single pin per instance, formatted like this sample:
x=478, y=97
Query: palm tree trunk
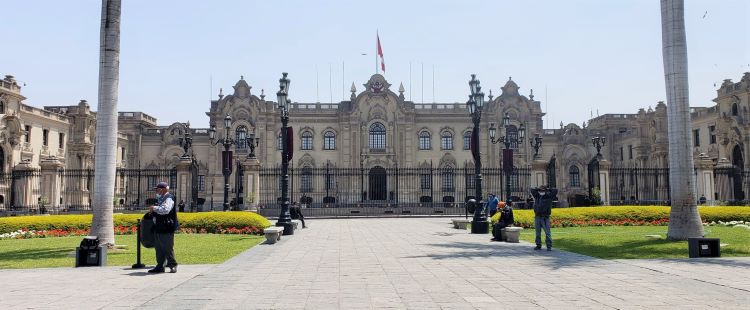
x=684, y=219
x=106, y=123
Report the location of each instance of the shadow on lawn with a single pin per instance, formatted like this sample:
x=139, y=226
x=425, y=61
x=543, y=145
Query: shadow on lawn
x=10, y=258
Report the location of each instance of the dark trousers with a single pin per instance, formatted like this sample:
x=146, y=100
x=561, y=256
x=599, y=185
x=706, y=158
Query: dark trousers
x=301, y=218
x=164, y=244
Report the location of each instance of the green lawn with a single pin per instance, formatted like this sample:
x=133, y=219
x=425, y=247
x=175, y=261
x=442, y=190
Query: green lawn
x=59, y=252
x=614, y=242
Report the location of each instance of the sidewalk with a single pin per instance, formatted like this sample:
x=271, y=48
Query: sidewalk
x=414, y=263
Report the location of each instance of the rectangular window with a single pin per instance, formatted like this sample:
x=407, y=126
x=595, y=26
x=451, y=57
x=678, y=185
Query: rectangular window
x=150, y=182
x=424, y=142
x=201, y=182
x=697, y=137
x=307, y=143
x=27, y=138
x=446, y=142
x=630, y=152
x=712, y=132
x=61, y=140
x=425, y=181
x=467, y=140
x=45, y=137
x=329, y=141
x=330, y=181
x=470, y=181
x=448, y=182
x=622, y=154
x=122, y=153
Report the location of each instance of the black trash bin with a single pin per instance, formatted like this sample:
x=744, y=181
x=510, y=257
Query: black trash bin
x=704, y=247
x=90, y=253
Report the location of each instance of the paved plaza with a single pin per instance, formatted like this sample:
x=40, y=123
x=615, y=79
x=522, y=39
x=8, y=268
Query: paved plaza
x=398, y=263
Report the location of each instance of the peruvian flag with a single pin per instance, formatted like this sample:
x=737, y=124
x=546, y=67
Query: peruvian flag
x=380, y=53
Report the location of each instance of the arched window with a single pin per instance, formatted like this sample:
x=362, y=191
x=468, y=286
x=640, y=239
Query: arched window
x=467, y=140
x=2, y=107
x=446, y=140
x=575, y=176
x=424, y=140
x=329, y=140
x=513, y=136
x=279, y=142
x=307, y=180
x=448, y=178
x=735, y=110
x=240, y=137
x=307, y=140
x=377, y=136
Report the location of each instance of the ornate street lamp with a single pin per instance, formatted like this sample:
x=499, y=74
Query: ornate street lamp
x=253, y=142
x=475, y=104
x=285, y=218
x=598, y=142
x=536, y=143
x=226, y=155
x=507, y=139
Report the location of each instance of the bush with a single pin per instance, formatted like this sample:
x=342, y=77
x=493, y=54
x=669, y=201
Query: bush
x=625, y=215
x=210, y=222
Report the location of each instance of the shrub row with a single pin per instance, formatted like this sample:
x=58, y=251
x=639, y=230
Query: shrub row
x=210, y=222
x=625, y=215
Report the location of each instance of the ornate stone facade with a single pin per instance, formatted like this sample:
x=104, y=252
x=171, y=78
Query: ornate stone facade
x=376, y=127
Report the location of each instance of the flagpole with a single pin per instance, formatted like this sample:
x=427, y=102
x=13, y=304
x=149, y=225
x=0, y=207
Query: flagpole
x=410, y=81
x=433, y=83
x=343, y=77
x=377, y=37
x=422, y=83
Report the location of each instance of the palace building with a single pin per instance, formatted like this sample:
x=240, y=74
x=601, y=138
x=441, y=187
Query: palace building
x=377, y=147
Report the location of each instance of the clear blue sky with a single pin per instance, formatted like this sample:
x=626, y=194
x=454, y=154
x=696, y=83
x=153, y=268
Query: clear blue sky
x=589, y=54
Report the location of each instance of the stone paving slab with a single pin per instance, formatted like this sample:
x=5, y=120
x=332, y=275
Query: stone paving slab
x=403, y=263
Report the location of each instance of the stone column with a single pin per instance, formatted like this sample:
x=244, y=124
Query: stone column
x=251, y=166
x=705, y=178
x=51, y=188
x=184, y=182
x=604, y=180
x=23, y=186
x=723, y=186
x=538, y=173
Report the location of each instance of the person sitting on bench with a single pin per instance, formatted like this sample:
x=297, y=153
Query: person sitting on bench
x=506, y=219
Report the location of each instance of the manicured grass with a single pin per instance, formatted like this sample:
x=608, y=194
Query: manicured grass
x=56, y=252
x=615, y=242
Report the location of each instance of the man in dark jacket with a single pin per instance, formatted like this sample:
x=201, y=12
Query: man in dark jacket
x=165, y=223
x=506, y=219
x=542, y=211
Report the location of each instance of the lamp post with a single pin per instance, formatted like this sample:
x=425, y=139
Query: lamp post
x=226, y=155
x=507, y=139
x=598, y=142
x=285, y=219
x=362, y=158
x=252, y=143
x=536, y=143
x=475, y=104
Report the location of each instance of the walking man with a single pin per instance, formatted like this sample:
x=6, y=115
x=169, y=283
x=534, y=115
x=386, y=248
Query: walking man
x=165, y=223
x=542, y=211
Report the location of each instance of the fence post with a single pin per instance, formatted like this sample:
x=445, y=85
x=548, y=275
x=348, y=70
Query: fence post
x=604, y=166
x=51, y=180
x=705, y=186
x=183, y=180
x=251, y=167
x=24, y=196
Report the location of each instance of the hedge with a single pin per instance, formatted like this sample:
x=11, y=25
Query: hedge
x=203, y=222
x=625, y=215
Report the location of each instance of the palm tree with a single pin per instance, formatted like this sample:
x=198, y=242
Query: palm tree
x=684, y=219
x=106, y=123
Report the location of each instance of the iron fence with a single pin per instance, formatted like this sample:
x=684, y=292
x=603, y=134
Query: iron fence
x=27, y=192
x=638, y=186
x=383, y=191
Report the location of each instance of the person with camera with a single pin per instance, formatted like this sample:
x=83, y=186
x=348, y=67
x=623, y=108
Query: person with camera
x=165, y=223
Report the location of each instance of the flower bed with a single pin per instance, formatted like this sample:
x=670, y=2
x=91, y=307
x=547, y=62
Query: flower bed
x=625, y=216
x=78, y=225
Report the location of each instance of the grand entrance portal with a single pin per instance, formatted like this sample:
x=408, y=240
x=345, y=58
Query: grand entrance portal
x=378, y=183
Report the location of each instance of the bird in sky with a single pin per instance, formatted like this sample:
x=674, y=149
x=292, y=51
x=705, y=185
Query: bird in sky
x=704, y=14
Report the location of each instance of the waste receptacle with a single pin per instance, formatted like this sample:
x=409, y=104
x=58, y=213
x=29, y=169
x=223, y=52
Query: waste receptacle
x=704, y=247
x=90, y=253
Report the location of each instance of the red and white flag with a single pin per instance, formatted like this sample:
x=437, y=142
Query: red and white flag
x=380, y=53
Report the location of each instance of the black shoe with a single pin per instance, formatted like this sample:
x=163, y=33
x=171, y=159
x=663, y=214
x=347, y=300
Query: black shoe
x=156, y=270
x=173, y=269
x=549, y=248
x=538, y=247
x=494, y=239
